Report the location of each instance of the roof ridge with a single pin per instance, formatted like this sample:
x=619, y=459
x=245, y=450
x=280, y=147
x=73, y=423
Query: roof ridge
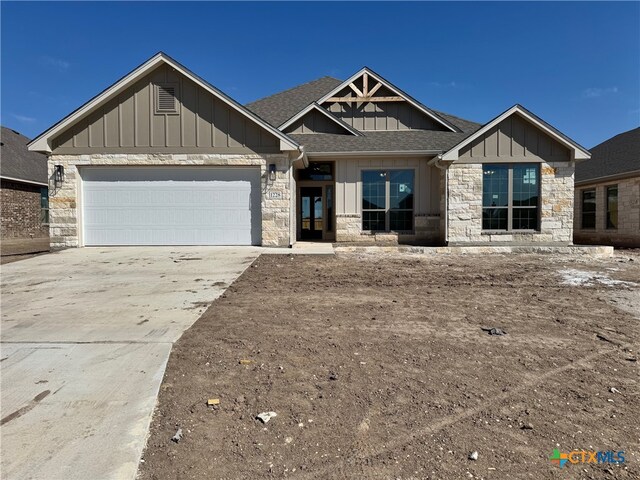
x=615, y=136
x=457, y=117
x=293, y=88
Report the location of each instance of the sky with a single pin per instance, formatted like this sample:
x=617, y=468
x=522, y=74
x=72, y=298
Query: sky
x=574, y=64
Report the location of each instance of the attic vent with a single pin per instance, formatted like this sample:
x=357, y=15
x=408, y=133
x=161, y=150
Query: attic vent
x=166, y=101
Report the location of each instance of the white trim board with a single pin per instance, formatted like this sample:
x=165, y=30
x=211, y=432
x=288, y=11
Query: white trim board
x=579, y=152
x=42, y=142
x=395, y=90
x=329, y=115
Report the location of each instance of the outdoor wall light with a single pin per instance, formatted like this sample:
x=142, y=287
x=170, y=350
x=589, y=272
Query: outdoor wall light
x=272, y=171
x=58, y=175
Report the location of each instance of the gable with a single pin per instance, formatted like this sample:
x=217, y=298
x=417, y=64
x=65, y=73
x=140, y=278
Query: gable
x=367, y=102
x=519, y=135
x=383, y=116
x=315, y=122
x=239, y=129
x=515, y=137
x=131, y=121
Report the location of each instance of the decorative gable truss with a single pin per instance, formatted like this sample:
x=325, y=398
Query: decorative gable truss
x=368, y=102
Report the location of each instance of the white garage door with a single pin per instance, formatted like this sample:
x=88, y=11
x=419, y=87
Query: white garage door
x=171, y=206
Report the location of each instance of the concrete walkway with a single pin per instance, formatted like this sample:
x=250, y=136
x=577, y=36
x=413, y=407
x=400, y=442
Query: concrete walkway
x=86, y=334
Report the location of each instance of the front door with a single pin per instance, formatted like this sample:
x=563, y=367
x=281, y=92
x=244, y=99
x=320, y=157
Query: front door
x=311, y=212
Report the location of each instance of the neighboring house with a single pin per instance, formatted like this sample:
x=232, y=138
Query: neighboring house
x=24, y=210
x=164, y=158
x=607, y=196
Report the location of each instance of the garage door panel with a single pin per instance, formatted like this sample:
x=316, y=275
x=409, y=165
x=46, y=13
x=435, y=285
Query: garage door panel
x=173, y=206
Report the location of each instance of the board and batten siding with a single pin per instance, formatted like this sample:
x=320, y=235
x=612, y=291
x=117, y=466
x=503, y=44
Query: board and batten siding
x=316, y=122
x=129, y=123
x=514, y=139
x=348, y=173
x=381, y=116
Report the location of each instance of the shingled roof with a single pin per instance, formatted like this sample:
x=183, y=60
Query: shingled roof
x=18, y=163
x=278, y=108
x=616, y=156
x=384, y=141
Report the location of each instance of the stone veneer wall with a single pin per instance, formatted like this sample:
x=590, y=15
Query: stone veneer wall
x=63, y=201
x=465, y=207
x=628, y=232
x=349, y=229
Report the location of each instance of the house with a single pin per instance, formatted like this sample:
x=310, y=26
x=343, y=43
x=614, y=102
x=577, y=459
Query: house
x=163, y=157
x=24, y=210
x=607, y=195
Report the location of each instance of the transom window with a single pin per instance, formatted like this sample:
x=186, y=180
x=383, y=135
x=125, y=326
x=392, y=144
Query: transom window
x=387, y=200
x=510, y=196
x=589, y=208
x=317, y=171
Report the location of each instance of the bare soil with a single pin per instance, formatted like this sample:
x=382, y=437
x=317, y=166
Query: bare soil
x=378, y=367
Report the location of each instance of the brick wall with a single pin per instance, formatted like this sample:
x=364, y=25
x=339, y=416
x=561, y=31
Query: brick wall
x=628, y=232
x=20, y=211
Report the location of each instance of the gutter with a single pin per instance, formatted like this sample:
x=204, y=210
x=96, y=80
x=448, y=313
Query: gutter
x=19, y=180
x=395, y=153
x=608, y=178
x=437, y=162
x=292, y=190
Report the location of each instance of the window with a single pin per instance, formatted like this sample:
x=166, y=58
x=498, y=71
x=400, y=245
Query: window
x=510, y=196
x=44, y=205
x=387, y=200
x=317, y=171
x=588, y=209
x=329, y=195
x=166, y=98
x=612, y=207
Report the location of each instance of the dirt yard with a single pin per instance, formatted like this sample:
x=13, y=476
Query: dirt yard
x=379, y=367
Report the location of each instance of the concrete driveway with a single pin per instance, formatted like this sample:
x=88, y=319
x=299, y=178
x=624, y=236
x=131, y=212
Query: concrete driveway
x=86, y=334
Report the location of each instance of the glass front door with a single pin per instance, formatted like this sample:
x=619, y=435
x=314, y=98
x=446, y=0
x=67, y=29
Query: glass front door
x=312, y=212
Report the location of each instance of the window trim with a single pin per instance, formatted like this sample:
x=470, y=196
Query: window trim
x=509, y=207
x=595, y=207
x=387, y=193
x=607, y=211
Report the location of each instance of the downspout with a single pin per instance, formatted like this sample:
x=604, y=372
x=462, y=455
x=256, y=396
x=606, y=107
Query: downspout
x=292, y=189
x=439, y=165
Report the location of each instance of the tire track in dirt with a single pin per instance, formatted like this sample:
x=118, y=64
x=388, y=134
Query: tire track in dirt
x=369, y=452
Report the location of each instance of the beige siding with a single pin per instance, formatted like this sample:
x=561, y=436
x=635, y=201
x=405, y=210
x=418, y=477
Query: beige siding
x=316, y=122
x=427, y=207
x=515, y=139
x=129, y=123
x=349, y=182
x=381, y=115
